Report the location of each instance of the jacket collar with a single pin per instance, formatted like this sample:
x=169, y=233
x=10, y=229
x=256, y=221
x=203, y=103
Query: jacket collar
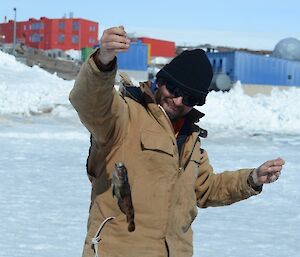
x=144, y=96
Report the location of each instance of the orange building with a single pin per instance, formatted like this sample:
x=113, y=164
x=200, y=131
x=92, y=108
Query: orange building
x=159, y=48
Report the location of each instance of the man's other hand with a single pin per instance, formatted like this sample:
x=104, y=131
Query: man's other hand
x=268, y=172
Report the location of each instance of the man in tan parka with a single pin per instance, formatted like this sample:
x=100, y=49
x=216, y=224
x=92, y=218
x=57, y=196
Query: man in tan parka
x=155, y=136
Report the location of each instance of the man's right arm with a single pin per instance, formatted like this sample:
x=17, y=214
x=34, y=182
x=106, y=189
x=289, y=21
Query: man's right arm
x=99, y=106
x=96, y=101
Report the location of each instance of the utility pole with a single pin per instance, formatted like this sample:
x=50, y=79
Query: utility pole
x=15, y=32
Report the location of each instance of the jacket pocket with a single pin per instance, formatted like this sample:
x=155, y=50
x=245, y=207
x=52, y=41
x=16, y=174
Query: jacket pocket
x=158, y=142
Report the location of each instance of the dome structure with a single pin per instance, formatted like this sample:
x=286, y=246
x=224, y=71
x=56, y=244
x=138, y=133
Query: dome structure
x=288, y=48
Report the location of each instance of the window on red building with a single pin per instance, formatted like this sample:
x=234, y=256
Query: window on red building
x=61, y=38
x=37, y=25
x=61, y=25
x=92, y=28
x=91, y=40
x=75, y=25
x=74, y=39
x=36, y=38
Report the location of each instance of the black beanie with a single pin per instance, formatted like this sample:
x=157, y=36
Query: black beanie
x=191, y=71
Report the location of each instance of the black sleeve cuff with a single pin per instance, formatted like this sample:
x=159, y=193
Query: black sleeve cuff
x=253, y=185
x=102, y=67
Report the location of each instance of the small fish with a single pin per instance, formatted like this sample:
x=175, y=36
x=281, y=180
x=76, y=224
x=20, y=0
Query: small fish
x=121, y=191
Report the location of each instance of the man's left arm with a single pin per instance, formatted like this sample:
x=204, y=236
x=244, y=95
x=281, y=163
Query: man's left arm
x=232, y=186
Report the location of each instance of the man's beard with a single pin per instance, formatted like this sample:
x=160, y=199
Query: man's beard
x=167, y=104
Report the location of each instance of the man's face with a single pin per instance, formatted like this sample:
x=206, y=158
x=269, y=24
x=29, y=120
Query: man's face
x=173, y=106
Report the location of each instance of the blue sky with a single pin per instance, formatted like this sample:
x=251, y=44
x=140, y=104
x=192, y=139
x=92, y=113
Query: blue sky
x=256, y=24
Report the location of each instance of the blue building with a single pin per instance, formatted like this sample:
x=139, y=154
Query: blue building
x=256, y=69
x=136, y=58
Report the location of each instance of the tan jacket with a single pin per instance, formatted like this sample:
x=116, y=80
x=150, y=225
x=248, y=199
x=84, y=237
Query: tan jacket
x=166, y=188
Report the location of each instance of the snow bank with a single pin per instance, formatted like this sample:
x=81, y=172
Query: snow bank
x=30, y=91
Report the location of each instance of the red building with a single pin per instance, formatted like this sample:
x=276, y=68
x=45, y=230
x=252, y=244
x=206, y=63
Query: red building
x=159, y=48
x=64, y=34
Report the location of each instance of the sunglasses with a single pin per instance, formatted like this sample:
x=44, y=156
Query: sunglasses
x=187, y=99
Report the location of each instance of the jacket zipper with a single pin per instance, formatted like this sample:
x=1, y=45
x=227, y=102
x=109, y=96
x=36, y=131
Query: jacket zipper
x=181, y=169
x=182, y=151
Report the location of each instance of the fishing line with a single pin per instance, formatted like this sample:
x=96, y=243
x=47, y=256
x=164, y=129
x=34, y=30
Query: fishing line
x=123, y=143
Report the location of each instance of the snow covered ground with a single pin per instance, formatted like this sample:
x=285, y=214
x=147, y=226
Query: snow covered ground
x=44, y=192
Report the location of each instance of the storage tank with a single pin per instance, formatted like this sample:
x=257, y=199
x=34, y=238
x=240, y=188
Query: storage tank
x=220, y=82
x=288, y=48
